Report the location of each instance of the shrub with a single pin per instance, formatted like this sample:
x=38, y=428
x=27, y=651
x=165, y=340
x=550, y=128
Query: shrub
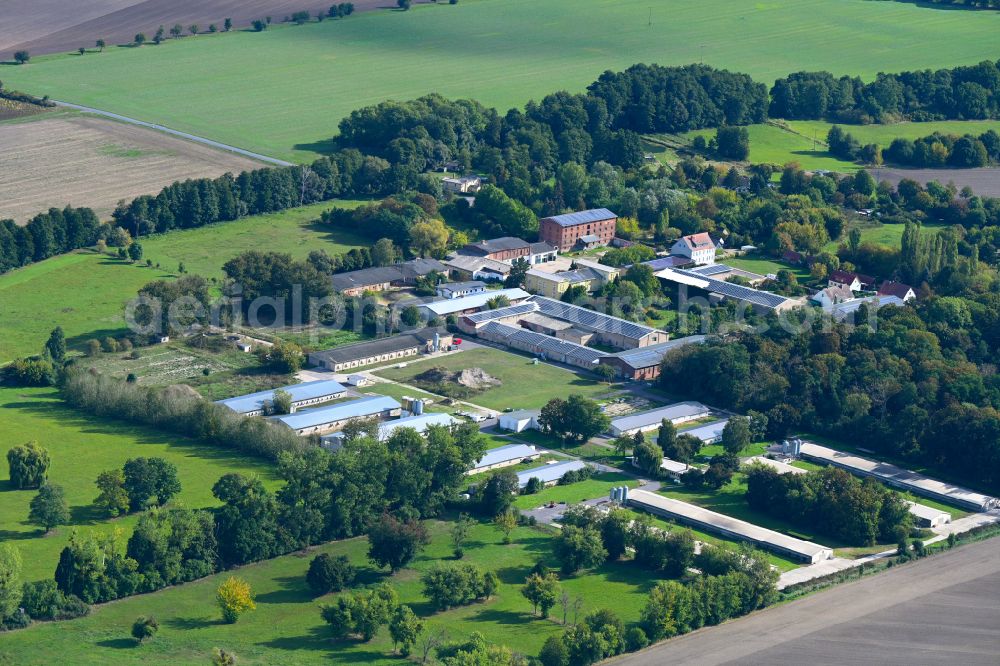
x=144, y=627
x=235, y=598
x=329, y=574
x=635, y=639
x=28, y=465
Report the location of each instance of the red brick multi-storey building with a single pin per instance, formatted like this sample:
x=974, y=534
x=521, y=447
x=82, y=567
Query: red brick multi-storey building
x=585, y=228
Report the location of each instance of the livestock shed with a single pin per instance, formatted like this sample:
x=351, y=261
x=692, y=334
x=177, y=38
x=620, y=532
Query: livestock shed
x=680, y=412
x=305, y=394
x=504, y=456
x=324, y=419
x=550, y=474
x=776, y=465
x=848, y=310
x=473, y=303
x=710, y=433
x=732, y=528
x=519, y=420
x=471, y=323
x=900, y=478
x=545, y=346
x=393, y=348
x=643, y=363
x=419, y=422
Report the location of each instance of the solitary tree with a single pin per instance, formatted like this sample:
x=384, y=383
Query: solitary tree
x=100, y=44
x=736, y=434
x=393, y=543
x=82, y=50
x=144, y=627
x=541, y=591
x=176, y=31
x=404, y=628
x=235, y=598
x=329, y=574
x=140, y=39
x=223, y=657
x=506, y=521
x=55, y=347
x=403, y=4
x=48, y=508
x=227, y=25
x=460, y=533
x=606, y=372
x=28, y=465
x=21, y=57
x=135, y=251
x=193, y=29
x=158, y=35
x=282, y=402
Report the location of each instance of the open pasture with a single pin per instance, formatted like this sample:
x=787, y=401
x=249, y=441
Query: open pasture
x=81, y=447
x=84, y=292
x=286, y=628
x=86, y=161
x=281, y=92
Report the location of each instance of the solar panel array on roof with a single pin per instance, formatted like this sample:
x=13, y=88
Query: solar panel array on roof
x=540, y=343
x=645, y=357
x=713, y=269
x=739, y=292
x=582, y=217
x=672, y=261
x=590, y=319
x=501, y=313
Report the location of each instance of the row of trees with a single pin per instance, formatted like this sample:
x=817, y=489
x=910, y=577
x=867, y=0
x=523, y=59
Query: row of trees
x=964, y=93
x=46, y=235
x=935, y=150
x=857, y=512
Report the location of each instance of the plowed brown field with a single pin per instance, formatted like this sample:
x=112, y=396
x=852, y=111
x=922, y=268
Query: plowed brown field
x=50, y=26
x=87, y=161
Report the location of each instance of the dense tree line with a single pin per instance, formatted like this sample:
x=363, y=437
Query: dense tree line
x=913, y=387
x=46, y=235
x=934, y=151
x=962, y=93
x=858, y=512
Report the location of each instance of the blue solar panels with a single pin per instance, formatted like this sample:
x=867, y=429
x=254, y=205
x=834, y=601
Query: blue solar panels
x=646, y=357
x=713, y=269
x=582, y=217
x=591, y=320
x=737, y=292
x=501, y=313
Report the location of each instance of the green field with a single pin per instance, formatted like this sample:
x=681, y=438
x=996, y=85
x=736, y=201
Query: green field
x=83, y=291
x=296, y=231
x=804, y=141
x=302, y=80
x=287, y=628
x=525, y=385
x=81, y=447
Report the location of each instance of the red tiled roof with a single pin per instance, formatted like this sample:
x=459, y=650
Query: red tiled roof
x=897, y=289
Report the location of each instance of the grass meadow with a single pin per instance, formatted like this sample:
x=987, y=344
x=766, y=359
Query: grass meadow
x=804, y=141
x=525, y=385
x=286, y=626
x=81, y=447
x=84, y=291
x=303, y=79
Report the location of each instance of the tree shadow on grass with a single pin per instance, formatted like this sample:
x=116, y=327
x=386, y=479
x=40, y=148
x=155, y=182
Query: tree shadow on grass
x=292, y=591
x=85, y=514
x=318, y=638
x=189, y=623
x=118, y=643
x=513, y=575
x=498, y=616
x=321, y=146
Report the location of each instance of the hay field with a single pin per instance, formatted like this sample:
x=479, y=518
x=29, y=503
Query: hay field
x=80, y=160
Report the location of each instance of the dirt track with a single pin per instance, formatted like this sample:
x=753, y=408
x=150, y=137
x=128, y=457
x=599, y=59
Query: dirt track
x=945, y=609
x=88, y=161
x=985, y=182
x=50, y=26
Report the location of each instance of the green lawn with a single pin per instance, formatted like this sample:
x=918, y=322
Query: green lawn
x=764, y=266
x=525, y=385
x=804, y=141
x=80, y=448
x=890, y=235
x=83, y=291
x=286, y=626
x=204, y=250
x=304, y=79
x=596, y=486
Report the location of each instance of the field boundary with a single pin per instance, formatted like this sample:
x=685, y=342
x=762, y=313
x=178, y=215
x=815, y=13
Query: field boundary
x=178, y=133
